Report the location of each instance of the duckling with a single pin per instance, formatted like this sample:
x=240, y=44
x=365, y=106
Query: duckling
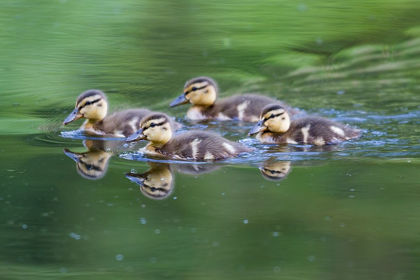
x=155, y=183
x=195, y=145
x=275, y=126
x=202, y=93
x=93, y=106
x=275, y=170
x=93, y=164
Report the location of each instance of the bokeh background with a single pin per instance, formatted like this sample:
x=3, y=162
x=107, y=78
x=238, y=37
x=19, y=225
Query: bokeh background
x=343, y=212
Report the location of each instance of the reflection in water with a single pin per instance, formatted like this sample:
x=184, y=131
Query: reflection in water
x=155, y=183
x=275, y=170
x=158, y=182
x=93, y=164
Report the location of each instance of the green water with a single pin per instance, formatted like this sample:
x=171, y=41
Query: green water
x=349, y=211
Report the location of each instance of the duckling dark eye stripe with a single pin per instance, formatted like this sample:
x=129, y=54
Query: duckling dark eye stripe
x=156, y=124
x=272, y=171
x=196, y=89
x=156, y=189
x=274, y=116
x=91, y=102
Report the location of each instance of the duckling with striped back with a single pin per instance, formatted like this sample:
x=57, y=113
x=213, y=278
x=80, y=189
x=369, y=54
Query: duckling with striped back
x=93, y=106
x=275, y=126
x=194, y=145
x=202, y=93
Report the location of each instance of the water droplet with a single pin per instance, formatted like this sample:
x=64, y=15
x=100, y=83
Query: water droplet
x=223, y=193
x=119, y=257
x=175, y=198
x=143, y=221
x=276, y=269
x=276, y=233
x=24, y=226
x=153, y=260
x=157, y=231
x=246, y=221
x=215, y=244
x=63, y=270
x=342, y=225
x=311, y=258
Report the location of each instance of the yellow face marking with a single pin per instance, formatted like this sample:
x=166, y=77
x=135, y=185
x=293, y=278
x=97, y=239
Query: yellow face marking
x=305, y=132
x=194, y=148
x=157, y=131
x=337, y=130
x=95, y=111
x=203, y=95
x=229, y=147
x=241, y=109
x=277, y=120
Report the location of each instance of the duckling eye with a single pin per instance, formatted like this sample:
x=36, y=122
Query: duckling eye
x=88, y=103
x=152, y=124
x=272, y=116
x=153, y=189
x=194, y=89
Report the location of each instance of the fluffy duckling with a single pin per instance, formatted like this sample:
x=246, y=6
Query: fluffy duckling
x=275, y=126
x=156, y=183
x=195, y=145
x=275, y=170
x=93, y=106
x=202, y=92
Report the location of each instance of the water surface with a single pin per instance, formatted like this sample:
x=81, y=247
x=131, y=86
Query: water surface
x=347, y=211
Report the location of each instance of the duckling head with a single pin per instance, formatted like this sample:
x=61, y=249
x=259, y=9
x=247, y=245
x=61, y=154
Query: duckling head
x=155, y=128
x=275, y=170
x=91, y=105
x=91, y=165
x=156, y=183
x=201, y=91
x=273, y=118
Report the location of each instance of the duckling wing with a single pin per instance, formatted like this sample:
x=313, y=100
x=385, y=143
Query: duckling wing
x=200, y=145
x=320, y=131
x=123, y=123
x=247, y=107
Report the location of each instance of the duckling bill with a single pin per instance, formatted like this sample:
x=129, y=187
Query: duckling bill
x=275, y=126
x=202, y=93
x=195, y=145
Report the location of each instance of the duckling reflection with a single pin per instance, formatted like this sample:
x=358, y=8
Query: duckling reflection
x=275, y=170
x=158, y=182
x=93, y=164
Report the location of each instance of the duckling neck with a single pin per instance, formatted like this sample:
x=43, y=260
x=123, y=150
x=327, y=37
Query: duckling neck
x=200, y=112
